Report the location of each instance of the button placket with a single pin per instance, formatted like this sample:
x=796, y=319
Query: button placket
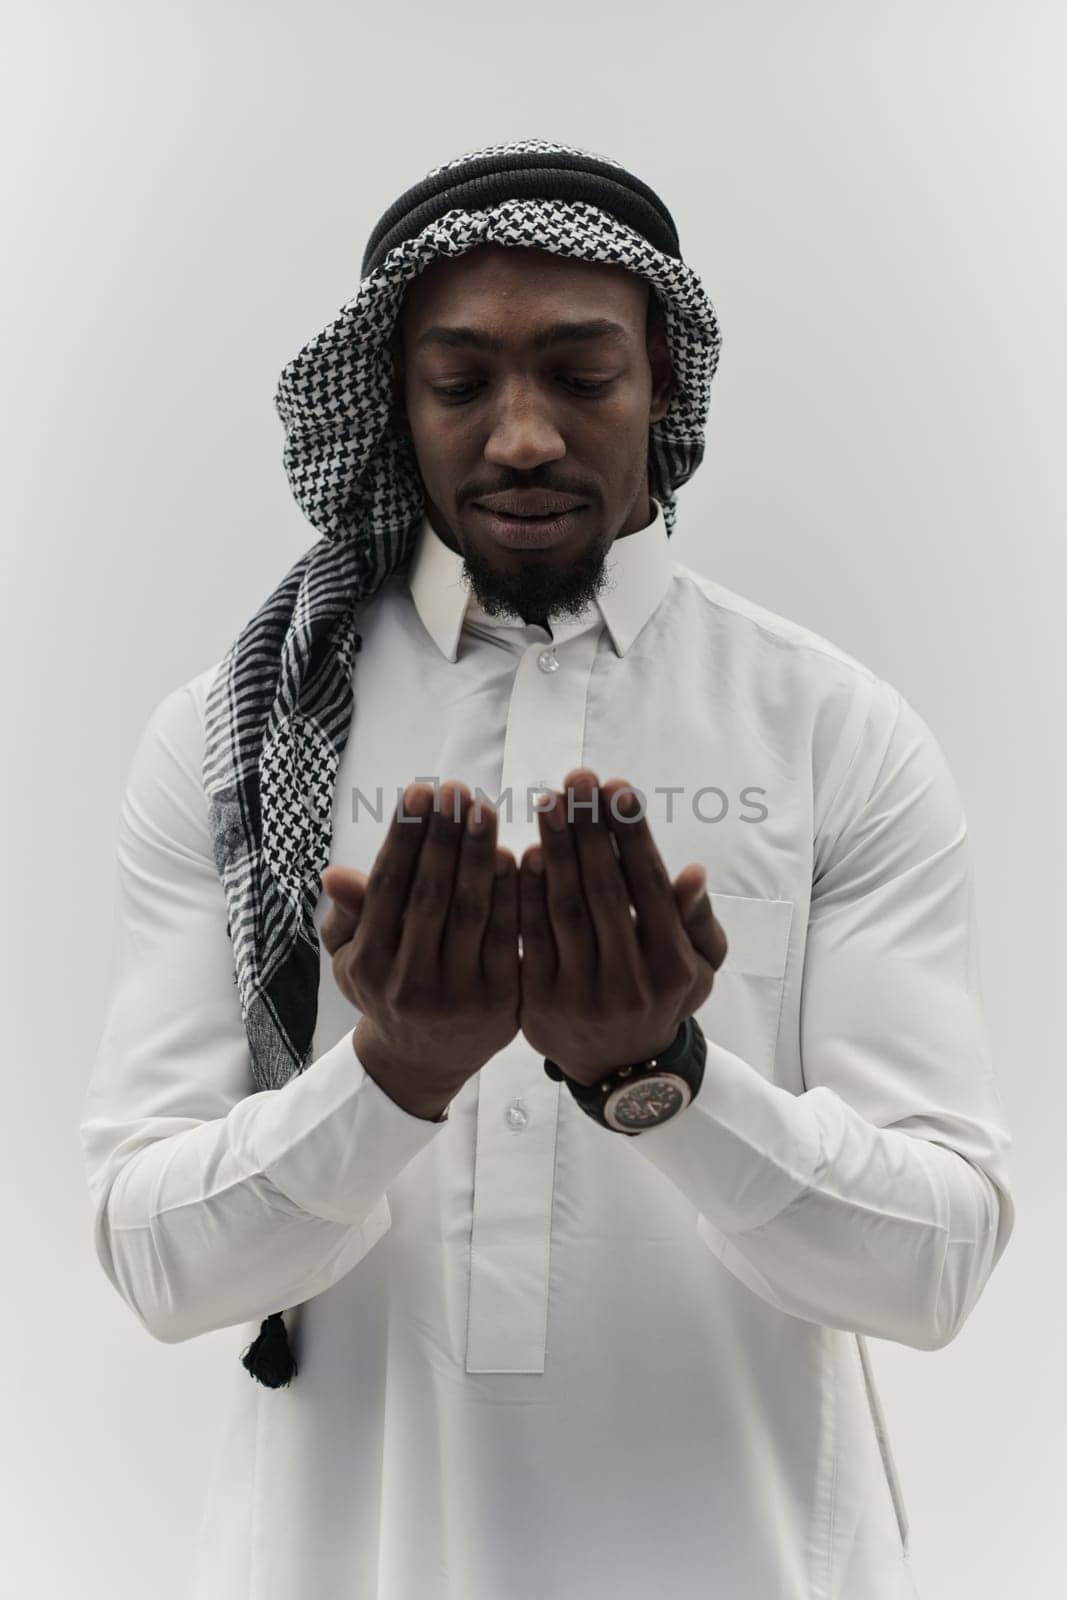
x=518, y=1105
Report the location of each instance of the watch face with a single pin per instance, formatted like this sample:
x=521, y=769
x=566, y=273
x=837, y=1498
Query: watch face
x=643, y=1104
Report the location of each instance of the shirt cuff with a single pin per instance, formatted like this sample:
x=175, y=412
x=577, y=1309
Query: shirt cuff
x=742, y=1150
x=331, y=1139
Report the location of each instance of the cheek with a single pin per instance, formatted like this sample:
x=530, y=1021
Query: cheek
x=438, y=443
x=438, y=427
x=615, y=430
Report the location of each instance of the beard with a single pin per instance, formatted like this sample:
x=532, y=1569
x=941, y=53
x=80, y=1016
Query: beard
x=531, y=591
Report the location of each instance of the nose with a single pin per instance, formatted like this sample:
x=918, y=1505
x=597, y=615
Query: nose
x=522, y=433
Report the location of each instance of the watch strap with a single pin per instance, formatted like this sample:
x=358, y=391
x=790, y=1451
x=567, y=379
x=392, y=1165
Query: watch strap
x=683, y=1059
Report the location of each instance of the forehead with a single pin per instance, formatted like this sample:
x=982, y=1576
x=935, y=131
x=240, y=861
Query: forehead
x=498, y=283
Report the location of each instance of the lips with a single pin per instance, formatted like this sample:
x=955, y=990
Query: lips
x=531, y=533
x=529, y=506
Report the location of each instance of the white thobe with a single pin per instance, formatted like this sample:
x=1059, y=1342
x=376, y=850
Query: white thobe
x=540, y=1360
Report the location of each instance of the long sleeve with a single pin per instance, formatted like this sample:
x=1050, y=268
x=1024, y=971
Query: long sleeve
x=876, y=1201
x=215, y=1204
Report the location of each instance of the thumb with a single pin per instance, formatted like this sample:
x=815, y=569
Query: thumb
x=344, y=885
x=706, y=932
x=346, y=888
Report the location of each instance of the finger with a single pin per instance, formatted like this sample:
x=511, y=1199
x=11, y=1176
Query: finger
x=569, y=915
x=500, y=941
x=540, y=957
x=647, y=879
x=430, y=892
x=394, y=869
x=603, y=882
x=472, y=893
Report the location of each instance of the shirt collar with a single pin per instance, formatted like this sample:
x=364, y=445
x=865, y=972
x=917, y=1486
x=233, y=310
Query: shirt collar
x=638, y=568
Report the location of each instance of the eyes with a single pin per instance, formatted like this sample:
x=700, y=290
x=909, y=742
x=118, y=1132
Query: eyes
x=458, y=394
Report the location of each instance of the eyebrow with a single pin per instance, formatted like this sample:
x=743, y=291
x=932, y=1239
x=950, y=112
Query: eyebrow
x=556, y=333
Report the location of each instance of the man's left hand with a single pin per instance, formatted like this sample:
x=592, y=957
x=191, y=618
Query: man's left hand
x=602, y=986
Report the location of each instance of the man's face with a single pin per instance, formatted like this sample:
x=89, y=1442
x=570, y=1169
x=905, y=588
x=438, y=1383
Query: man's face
x=569, y=417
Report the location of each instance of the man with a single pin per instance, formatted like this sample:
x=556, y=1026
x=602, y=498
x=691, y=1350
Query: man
x=596, y=1150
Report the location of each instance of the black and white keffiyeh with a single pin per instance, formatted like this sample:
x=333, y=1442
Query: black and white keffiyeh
x=280, y=706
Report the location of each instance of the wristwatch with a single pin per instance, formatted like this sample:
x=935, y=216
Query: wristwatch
x=643, y=1094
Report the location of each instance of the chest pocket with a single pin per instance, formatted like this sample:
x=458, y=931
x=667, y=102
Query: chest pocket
x=743, y=1011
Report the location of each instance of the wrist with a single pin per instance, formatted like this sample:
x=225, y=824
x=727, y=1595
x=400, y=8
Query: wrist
x=586, y=1076
x=393, y=1074
x=644, y=1094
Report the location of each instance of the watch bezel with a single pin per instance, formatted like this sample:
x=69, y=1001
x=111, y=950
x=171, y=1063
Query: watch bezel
x=665, y=1077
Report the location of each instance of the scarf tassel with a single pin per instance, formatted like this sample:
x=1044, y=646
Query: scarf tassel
x=269, y=1358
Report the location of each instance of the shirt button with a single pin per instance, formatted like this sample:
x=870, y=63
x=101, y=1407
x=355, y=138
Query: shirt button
x=548, y=661
x=516, y=1115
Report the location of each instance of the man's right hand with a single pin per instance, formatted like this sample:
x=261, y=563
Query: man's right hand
x=427, y=949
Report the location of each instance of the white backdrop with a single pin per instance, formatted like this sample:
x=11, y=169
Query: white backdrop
x=874, y=197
